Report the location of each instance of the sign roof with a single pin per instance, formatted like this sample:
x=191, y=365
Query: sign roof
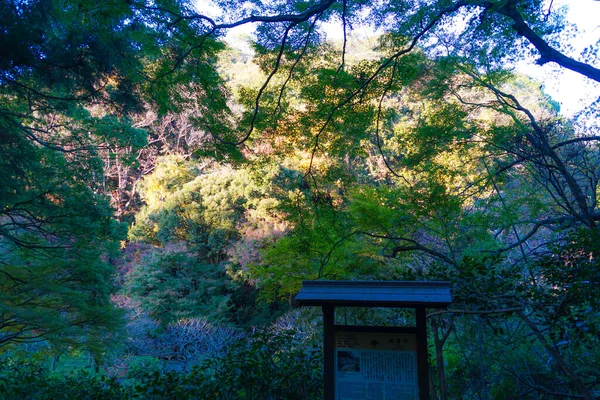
x=375, y=294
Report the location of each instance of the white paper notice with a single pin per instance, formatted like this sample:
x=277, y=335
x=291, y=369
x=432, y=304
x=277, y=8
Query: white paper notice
x=375, y=366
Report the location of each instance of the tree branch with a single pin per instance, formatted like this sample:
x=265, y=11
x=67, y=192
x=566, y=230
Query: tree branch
x=548, y=54
x=476, y=312
x=414, y=246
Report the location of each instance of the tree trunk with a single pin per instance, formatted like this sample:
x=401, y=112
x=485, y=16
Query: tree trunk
x=439, y=355
x=55, y=362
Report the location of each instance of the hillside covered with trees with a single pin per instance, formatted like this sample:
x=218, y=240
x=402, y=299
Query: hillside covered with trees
x=166, y=185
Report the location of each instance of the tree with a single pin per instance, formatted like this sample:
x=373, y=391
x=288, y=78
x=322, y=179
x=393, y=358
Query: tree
x=426, y=159
x=71, y=79
x=208, y=221
x=429, y=160
x=530, y=177
x=477, y=192
x=173, y=284
x=55, y=277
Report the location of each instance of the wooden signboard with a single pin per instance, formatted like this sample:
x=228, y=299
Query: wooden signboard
x=375, y=365
x=370, y=362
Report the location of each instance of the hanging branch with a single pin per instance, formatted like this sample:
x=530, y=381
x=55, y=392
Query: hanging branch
x=262, y=89
x=300, y=56
x=343, y=63
x=377, y=136
x=385, y=64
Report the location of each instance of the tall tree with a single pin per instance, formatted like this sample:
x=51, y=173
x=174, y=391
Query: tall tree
x=73, y=76
x=56, y=231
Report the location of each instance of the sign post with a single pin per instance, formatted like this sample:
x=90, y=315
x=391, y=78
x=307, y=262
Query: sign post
x=328, y=348
x=374, y=362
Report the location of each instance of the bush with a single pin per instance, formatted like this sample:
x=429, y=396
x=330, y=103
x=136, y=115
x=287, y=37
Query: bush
x=32, y=380
x=269, y=364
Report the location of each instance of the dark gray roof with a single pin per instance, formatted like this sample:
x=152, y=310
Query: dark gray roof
x=375, y=294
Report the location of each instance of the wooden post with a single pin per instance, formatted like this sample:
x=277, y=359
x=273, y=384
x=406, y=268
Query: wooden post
x=422, y=361
x=328, y=351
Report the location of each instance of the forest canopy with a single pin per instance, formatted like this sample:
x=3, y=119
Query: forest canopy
x=162, y=179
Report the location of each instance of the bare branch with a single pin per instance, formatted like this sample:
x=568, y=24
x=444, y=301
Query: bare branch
x=540, y=142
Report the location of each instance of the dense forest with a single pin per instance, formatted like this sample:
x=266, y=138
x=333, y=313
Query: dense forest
x=166, y=185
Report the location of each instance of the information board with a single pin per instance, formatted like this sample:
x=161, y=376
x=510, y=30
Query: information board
x=375, y=366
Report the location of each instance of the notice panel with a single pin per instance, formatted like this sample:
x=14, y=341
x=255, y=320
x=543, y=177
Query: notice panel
x=375, y=366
